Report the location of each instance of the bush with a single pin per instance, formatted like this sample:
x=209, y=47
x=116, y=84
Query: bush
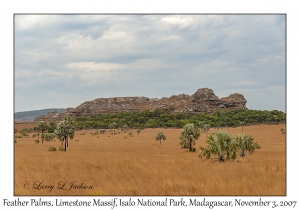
x=282, y=130
x=52, y=149
x=33, y=135
x=131, y=134
x=37, y=141
x=15, y=141
x=124, y=137
x=49, y=136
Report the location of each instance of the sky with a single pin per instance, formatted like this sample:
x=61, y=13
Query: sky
x=61, y=61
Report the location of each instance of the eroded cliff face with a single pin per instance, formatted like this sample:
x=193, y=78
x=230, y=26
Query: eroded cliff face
x=202, y=101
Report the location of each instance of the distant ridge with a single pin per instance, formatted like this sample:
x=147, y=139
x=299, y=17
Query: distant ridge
x=31, y=115
x=202, y=101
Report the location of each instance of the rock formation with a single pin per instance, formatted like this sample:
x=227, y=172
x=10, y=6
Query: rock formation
x=202, y=101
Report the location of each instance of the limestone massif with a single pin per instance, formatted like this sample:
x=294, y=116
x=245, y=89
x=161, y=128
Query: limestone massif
x=202, y=101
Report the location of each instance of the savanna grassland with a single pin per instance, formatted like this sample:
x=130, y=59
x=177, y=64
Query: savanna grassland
x=139, y=165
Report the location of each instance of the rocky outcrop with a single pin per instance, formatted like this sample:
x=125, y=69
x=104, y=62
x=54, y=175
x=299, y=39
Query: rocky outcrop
x=202, y=101
x=204, y=94
x=235, y=100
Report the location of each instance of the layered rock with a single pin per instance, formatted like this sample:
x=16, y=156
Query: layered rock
x=202, y=101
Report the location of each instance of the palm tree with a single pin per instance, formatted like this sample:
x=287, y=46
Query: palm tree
x=30, y=130
x=220, y=144
x=218, y=114
x=201, y=125
x=188, y=136
x=113, y=126
x=242, y=124
x=245, y=143
x=206, y=128
x=160, y=136
x=42, y=126
x=65, y=129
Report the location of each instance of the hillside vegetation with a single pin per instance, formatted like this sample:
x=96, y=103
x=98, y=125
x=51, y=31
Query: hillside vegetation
x=164, y=118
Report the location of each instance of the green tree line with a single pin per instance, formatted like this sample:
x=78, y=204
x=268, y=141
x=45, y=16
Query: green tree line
x=164, y=118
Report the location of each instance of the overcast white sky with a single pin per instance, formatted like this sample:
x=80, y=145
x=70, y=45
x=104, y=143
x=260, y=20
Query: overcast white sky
x=63, y=60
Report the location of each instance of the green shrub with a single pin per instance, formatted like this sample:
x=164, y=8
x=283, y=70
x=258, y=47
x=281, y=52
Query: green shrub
x=61, y=149
x=15, y=141
x=52, y=149
x=131, y=134
x=37, y=141
x=76, y=140
x=124, y=137
x=33, y=135
x=282, y=130
x=49, y=136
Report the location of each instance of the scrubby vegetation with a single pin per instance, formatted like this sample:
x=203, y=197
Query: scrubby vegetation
x=130, y=134
x=52, y=149
x=282, y=130
x=164, y=118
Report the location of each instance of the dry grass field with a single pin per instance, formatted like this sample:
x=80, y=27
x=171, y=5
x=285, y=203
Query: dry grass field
x=115, y=165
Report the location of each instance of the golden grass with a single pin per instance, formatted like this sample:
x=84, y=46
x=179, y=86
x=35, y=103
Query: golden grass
x=139, y=165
